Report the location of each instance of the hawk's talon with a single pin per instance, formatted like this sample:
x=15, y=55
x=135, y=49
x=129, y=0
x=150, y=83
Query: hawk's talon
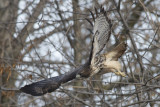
x=120, y=73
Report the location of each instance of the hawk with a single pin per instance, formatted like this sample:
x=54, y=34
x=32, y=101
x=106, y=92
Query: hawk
x=101, y=34
x=97, y=60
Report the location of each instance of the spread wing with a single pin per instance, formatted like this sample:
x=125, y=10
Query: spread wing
x=101, y=33
x=42, y=87
x=51, y=84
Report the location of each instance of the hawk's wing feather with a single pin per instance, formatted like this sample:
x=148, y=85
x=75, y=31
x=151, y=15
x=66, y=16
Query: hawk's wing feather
x=116, y=52
x=101, y=33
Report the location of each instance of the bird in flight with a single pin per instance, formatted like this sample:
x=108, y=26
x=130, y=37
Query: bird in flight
x=98, y=59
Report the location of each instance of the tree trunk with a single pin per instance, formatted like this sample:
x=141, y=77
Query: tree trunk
x=8, y=13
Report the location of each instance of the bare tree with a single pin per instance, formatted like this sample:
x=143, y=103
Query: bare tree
x=46, y=38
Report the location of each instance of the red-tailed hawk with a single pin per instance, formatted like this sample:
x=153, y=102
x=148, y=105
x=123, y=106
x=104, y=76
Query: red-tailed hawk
x=97, y=59
x=102, y=32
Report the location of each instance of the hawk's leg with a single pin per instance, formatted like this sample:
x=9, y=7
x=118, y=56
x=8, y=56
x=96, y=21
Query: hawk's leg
x=115, y=67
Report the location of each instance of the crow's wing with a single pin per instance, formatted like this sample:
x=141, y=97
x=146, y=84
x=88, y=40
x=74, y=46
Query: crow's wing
x=42, y=87
x=51, y=84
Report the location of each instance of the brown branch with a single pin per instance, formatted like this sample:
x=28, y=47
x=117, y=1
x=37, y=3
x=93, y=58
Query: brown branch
x=36, y=12
x=144, y=101
x=76, y=98
x=8, y=89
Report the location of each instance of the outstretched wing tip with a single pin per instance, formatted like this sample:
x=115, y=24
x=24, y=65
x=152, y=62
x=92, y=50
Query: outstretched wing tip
x=48, y=85
x=31, y=89
x=41, y=87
